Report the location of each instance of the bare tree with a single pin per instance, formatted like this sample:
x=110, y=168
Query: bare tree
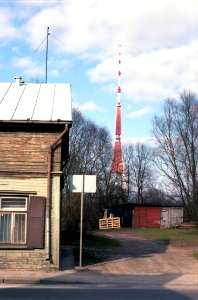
x=89, y=145
x=138, y=165
x=90, y=153
x=176, y=133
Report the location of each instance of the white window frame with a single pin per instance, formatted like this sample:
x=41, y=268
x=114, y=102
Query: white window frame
x=13, y=220
x=13, y=208
x=13, y=211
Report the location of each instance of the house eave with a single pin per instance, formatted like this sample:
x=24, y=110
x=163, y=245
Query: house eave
x=28, y=121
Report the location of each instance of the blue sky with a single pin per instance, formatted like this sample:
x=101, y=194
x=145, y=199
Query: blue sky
x=159, y=49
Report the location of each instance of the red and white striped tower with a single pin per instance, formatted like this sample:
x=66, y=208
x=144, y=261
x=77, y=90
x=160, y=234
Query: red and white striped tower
x=117, y=166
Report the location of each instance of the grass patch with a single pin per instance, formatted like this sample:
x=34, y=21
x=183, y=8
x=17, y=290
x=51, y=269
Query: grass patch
x=174, y=236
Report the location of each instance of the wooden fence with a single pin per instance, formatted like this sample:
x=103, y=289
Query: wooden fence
x=109, y=223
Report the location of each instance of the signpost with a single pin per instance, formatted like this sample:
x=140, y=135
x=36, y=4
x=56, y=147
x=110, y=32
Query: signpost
x=82, y=184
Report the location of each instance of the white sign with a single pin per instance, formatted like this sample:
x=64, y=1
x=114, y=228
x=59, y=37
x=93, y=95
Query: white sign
x=83, y=183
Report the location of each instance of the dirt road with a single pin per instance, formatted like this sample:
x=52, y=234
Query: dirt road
x=138, y=255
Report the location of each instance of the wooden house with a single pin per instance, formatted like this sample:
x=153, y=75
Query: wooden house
x=34, y=131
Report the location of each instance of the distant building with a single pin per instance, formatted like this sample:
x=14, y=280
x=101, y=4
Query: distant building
x=34, y=132
x=139, y=215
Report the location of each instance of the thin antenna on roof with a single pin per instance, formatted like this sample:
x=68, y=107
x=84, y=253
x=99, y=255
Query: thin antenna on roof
x=47, y=46
x=46, y=60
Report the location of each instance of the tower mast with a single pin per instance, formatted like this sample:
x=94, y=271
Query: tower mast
x=46, y=57
x=117, y=166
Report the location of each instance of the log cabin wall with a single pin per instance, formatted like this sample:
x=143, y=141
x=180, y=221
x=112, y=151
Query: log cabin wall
x=24, y=153
x=23, y=167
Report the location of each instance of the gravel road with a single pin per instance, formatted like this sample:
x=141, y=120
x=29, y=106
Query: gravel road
x=138, y=255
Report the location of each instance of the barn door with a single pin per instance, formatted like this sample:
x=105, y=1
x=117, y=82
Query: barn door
x=165, y=217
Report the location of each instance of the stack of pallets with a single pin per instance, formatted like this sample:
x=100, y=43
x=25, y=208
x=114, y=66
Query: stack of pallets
x=109, y=223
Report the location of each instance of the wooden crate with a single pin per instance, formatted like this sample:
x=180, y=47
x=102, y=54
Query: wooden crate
x=109, y=223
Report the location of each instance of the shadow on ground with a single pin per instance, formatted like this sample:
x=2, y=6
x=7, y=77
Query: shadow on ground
x=147, y=286
x=101, y=291
x=105, y=249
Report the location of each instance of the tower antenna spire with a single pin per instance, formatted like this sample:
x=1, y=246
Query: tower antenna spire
x=117, y=166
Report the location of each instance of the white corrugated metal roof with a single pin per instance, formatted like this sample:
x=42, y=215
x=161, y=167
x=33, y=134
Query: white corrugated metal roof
x=35, y=102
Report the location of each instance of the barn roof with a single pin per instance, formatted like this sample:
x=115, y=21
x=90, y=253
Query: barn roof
x=36, y=102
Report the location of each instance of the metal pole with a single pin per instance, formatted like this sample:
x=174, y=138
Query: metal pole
x=81, y=220
x=46, y=60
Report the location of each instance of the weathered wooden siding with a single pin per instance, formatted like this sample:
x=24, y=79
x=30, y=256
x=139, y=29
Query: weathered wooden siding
x=38, y=185
x=23, y=168
x=36, y=258
x=27, y=152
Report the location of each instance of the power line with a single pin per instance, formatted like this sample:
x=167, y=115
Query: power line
x=40, y=45
x=57, y=39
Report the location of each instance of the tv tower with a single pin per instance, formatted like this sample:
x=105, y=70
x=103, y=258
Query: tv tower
x=117, y=166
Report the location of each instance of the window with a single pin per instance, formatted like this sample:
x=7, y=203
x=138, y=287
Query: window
x=22, y=221
x=13, y=203
x=13, y=222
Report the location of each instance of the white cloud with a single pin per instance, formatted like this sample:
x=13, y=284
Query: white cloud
x=28, y=66
x=54, y=72
x=93, y=28
x=88, y=106
x=158, y=37
x=23, y=62
x=139, y=113
x=152, y=76
x=8, y=30
x=142, y=140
